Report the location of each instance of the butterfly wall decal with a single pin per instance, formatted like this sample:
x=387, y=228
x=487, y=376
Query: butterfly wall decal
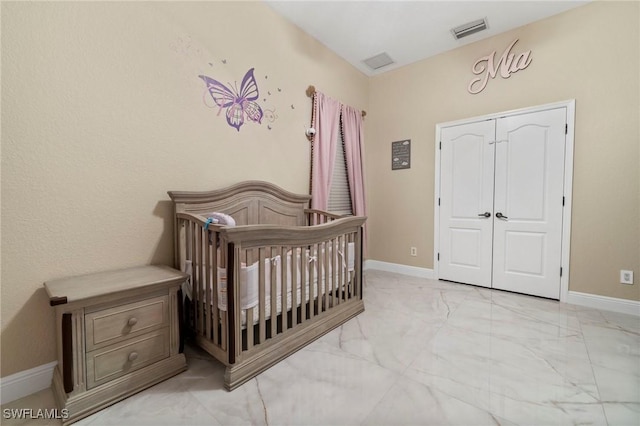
x=238, y=103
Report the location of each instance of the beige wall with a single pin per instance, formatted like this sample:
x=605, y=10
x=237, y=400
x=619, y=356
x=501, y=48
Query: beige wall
x=590, y=54
x=103, y=112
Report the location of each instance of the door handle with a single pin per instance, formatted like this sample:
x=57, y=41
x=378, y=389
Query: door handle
x=485, y=214
x=501, y=216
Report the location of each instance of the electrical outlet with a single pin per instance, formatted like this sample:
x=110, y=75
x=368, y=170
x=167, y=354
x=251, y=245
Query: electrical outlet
x=626, y=277
x=414, y=251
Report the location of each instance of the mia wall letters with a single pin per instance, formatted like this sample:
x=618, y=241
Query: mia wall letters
x=508, y=64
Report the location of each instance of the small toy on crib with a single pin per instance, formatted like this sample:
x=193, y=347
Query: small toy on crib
x=219, y=219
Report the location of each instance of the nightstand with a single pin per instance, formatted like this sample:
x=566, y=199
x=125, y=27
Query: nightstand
x=118, y=332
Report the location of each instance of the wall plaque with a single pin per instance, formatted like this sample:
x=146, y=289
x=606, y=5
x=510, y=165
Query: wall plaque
x=401, y=154
x=486, y=67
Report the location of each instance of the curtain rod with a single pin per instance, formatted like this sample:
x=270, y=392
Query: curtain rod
x=311, y=90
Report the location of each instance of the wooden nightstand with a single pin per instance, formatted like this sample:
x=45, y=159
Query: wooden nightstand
x=118, y=332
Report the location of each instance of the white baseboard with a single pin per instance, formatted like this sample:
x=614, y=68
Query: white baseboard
x=413, y=271
x=631, y=307
x=26, y=382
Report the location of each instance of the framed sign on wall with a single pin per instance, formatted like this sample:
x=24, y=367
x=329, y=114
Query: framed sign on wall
x=401, y=154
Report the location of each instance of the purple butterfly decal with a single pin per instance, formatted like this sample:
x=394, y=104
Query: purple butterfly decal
x=238, y=104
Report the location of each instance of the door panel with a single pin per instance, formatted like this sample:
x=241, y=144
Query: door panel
x=466, y=246
x=524, y=172
x=466, y=191
x=529, y=178
x=524, y=253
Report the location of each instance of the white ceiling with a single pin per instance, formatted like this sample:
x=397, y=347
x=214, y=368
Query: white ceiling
x=407, y=30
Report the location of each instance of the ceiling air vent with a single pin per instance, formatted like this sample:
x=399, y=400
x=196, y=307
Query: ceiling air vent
x=469, y=28
x=378, y=61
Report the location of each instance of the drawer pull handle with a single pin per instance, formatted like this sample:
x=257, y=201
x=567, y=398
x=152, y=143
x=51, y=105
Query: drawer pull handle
x=133, y=356
x=132, y=321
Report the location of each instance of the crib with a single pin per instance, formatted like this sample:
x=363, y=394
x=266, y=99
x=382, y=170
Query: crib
x=263, y=289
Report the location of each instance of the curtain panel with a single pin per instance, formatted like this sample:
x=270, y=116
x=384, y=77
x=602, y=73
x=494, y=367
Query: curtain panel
x=328, y=117
x=354, y=151
x=326, y=121
x=353, y=135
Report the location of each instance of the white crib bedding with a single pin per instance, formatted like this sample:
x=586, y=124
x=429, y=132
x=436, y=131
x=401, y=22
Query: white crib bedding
x=250, y=280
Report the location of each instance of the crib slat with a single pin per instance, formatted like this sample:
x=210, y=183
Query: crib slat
x=358, y=262
x=322, y=306
x=321, y=277
x=274, y=296
x=214, y=285
x=197, y=265
x=233, y=259
x=294, y=286
x=196, y=281
x=334, y=271
x=328, y=289
x=194, y=302
x=188, y=257
x=262, y=297
x=352, y=277
x=223, y=331
x=196, y=278
x=182, y=246
x=202, y=280
x=311, y=267
x=304, y=287
x=249, y=328
x=328, y=272
x=347, y=284
x=341, y=269
x=208, y=283
x=355, y=258
x=284, y=294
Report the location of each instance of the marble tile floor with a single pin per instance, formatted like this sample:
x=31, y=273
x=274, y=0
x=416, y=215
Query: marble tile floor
x=423, y=353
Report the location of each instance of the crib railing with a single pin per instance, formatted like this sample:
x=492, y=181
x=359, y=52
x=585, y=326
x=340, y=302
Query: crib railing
x=318, y=217
x=302, y=274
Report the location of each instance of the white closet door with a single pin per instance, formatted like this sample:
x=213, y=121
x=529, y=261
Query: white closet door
x=529, y=179
x=466, y=203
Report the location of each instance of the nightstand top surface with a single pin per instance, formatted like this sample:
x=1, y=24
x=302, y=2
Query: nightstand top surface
x=82, y=287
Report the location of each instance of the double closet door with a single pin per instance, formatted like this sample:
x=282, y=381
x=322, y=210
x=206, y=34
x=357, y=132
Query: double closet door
x=501, y=202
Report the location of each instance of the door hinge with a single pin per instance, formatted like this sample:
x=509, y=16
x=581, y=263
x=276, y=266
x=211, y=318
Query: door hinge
x=440, y=146
x=566, y=129
x=438, y=200
x=561, y=271
x=438, y=257
x=563, y=200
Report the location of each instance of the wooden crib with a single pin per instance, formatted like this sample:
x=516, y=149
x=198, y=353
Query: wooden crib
x=281, y=278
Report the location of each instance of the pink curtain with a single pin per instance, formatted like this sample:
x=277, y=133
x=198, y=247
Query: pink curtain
x=326, y=121
x=354, y=152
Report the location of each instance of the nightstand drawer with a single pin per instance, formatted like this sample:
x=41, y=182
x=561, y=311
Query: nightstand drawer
x=114, y=361
x=109, y=326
